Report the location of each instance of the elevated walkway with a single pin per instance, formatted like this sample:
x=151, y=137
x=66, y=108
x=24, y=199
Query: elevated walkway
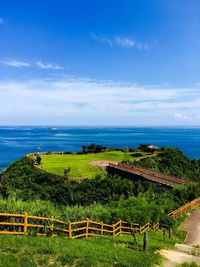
x=149, y=175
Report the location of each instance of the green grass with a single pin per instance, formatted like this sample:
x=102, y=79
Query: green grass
x=80, y=164
x=121, y=251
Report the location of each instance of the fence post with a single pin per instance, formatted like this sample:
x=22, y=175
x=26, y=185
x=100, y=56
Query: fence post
x=113, y=234
x=140, y=228
x=145, y=242
x=101, y=228
x=25, y=223
x=70, y=230
x=120, y=227
x=52, y=225
x=87, y=226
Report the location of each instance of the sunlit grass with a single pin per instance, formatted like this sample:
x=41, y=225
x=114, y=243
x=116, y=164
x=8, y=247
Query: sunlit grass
x=80, y=164
x=60, y=251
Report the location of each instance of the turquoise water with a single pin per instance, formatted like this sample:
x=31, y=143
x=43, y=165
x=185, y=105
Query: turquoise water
x=15, y=142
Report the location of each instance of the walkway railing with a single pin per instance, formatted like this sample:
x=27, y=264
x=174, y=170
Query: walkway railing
x=187, y=207
x=150, y=175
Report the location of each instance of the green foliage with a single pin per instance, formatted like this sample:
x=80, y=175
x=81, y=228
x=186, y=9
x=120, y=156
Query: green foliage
x=93, y=148
x=38, y=159
x=134, y=209
x=137, y=154
x=144, y=147
x=28, y=183
x=108, y=199
x=66, y=172
x=166, y=222
x=173, y=162
x=188, y=264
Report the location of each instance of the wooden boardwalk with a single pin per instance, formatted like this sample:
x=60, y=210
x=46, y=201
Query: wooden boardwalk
x=149, y=175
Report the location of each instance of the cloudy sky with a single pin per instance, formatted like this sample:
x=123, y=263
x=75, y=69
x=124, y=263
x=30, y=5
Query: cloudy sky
x=108, y=62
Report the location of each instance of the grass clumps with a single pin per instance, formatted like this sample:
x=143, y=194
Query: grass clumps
x=119, y=251
x=188, y=264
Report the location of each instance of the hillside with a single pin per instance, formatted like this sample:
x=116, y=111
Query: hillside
x=172, y=162
x=144, y=199
x=25, y=188
x=106, y=252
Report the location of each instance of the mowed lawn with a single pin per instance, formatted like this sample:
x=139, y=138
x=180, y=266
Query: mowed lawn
x=80, y=164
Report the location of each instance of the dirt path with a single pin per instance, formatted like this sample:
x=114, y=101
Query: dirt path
x=105, y=163
x=185, y=253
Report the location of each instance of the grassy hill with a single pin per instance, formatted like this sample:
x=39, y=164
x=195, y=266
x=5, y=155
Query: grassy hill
x=24, y=188
x=121, y=251
x=80, y=163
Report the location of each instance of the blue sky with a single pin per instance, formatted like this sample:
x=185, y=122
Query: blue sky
x=100, y=62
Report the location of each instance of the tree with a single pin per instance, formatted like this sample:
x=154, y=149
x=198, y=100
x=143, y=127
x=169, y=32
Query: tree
x=166, y=223
x=84, y=149
x=144, y=147
x=92, y=148
x=66, y=172
x=38, y=159
x=125, y=149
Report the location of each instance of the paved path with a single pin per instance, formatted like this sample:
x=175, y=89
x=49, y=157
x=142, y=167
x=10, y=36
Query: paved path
x=183, y=252
x=192, y=226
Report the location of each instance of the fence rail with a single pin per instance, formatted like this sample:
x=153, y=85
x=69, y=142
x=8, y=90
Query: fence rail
x=23, y=224
x=150, y=175
x=187, y=207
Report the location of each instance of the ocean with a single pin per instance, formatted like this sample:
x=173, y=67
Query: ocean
x=16, y=142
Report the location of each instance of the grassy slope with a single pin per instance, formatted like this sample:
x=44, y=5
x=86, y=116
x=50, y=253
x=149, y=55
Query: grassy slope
x=119, y=251
x=80, y=164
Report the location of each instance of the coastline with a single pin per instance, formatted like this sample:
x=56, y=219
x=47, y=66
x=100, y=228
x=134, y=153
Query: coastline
x=17, y=141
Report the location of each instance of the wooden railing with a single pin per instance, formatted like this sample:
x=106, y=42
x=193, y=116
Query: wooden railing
x=23, y=224
x=150, y=175
x=187, y=207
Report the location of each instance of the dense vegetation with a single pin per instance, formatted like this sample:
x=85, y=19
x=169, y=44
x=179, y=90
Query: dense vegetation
x=109, y=198
x=93, y=148
x=173, y=162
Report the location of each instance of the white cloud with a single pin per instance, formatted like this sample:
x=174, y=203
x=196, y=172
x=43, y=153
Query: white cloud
x=113, y=102
x=2, y=21
x=16, y=63
x=120, y=41
x=20, y=64
x=181, y=116
x=52, y=66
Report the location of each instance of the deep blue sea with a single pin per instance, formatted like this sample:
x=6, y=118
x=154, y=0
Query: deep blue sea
x=16, y=142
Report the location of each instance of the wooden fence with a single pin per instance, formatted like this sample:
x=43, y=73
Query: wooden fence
x=23, y=224
x=187, y=207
